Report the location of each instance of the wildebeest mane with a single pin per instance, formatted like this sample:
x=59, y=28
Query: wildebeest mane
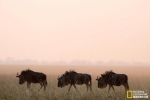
x=108, y=73
x=67, y=73
x=26, y=71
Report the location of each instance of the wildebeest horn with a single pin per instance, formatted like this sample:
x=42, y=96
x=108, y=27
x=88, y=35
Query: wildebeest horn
x=17, y=75
x=97, y=78
x=58, y=78
x=102, y=75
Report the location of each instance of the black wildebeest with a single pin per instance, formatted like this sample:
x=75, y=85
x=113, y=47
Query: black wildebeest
x=30, y=76
x=73, y=78
x=111, y=78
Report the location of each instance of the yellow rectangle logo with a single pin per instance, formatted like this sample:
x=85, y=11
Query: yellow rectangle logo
x=129, y=94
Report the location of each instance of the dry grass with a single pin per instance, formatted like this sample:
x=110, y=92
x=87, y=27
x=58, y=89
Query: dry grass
x=11, y=90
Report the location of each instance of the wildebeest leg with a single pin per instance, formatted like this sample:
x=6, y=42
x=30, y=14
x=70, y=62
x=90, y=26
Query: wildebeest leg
x=45, y=84
x=28, y=85
x=126, y=86
x=69, y=87
x=109, y=88
x=41, y=86
x=75, y=87
x=90, y=87
x=87, y=87
x=113, y=88
x=90, y=83
x=44, y=87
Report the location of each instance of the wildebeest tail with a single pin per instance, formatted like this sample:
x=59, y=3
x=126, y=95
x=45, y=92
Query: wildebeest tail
x=127, y=82
x=46, y=82
x=90, y=79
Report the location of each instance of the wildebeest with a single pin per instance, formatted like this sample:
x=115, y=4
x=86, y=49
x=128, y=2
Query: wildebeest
x=111, y=78
x=73, y=78
x=30, y=76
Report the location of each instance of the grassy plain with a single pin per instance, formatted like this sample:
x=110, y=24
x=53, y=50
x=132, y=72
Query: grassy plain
x=139, y=79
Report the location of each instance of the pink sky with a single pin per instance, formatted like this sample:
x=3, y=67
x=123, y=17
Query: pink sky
x=54, y=30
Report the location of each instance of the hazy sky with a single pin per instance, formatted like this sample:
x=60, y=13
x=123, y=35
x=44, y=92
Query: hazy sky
x=67, y=30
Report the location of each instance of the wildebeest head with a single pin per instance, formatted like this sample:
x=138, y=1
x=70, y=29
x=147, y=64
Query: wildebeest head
x=21, y=78
x=63, y=81
x=101, y=82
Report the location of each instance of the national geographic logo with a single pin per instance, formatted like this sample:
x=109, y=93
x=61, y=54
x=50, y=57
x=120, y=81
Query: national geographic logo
x=136, y=94
x=129, y=94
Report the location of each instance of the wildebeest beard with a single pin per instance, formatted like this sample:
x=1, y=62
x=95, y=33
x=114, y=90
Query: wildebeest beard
x=63, y=81
x=21, y=79
x=102, y=83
